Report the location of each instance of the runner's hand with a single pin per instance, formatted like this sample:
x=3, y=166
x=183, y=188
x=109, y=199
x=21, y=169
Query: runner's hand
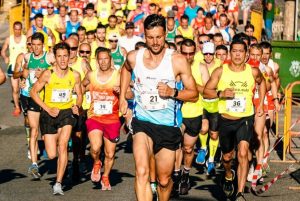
x=117, y=89
x=260, y=111
x=227, y=93
x=164, y=90
x=53, y=111
x=123, y=106
x=75, y=110
x=277, y=105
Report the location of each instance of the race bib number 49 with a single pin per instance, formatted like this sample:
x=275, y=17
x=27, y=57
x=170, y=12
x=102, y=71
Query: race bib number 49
x=60, y=96
x=103, y=107
x=236, y=104
x=152, y=101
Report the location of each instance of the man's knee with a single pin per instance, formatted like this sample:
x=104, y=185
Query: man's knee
x=95, y=150
x=164, y=182
x=142, y=174
x=243, y=153
x=214, y=135
x=188, y=149
x=227, y=157
x=110, y=155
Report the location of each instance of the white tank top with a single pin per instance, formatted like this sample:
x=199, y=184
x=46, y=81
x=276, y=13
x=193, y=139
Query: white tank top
x=148, y=105
x=16, y=48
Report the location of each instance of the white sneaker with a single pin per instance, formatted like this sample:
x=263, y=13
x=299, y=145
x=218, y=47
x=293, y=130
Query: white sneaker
x=250, y=173
x=57, y=190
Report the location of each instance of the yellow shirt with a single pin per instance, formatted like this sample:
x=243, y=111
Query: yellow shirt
x=243, y=84
x=187, y=33
x=103, y=11
x=52, y=23
x=189, y=109
x=90, y=25
x=58, y=92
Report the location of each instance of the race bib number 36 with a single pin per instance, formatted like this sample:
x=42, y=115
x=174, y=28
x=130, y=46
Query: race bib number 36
x=152, y=101
x=60, y=96
x=103, y=107
x=236, y=104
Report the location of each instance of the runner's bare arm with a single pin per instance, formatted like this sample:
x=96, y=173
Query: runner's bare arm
x=3, y=51
x=205, y=77
x=274, y=88
x=211, y=86
x=29, y=32
x=38, y=86
x=183, y=69
x=86, y=81
x=50, y=58
x=2, y=77
x=125, y=80
x=259, y=79
x=77, y=88
x=85, y=66
x=18, y=72
x=52, y=37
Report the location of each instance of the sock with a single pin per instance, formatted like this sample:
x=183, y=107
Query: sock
x=176, y=172
x=186, y=170
x=153, y=186
x=213, y=146
x=203, y=140
x=34, y=163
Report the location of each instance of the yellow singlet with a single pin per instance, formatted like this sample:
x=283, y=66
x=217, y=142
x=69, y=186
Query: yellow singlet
x=58, y=92
x=243, y=84
x=90, y=25
x=186, y=33
x=189, y=109
x=103, y=11
x=52, y=23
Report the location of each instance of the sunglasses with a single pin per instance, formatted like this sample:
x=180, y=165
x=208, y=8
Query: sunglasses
x=202, y=42
x=113, y=41
x=188, y=53
x=208, y=54
x=29, y=44
x=50, y=7
x=83, y=51
x=73, y=48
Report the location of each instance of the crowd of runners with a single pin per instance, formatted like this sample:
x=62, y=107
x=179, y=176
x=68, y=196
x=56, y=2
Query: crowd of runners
x=175, y=75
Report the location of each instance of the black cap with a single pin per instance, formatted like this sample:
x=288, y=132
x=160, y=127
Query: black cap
x=129, y=25
x=175, y=8
x=89, y=6
x=139, y=1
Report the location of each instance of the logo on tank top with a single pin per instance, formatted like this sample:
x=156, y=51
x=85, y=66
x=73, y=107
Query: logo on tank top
x=42, y=61
x=239, y=87
x=295, y=68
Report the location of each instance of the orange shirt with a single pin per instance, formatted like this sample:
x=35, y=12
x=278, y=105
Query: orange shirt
x=104, y=101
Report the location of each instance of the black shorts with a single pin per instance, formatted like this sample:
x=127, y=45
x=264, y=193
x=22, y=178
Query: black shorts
x=193, y=125
x=162, y=136
x=232, y=132
x=80, y=122
x=33, y=106
x=213, y=119
x=50, y=125
x=24, y=102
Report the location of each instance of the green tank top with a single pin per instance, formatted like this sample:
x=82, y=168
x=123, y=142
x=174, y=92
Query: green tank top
x=34, y=64
x=171, y=35
x=118, y=58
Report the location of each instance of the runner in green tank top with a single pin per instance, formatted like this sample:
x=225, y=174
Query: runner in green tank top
x=118, y=53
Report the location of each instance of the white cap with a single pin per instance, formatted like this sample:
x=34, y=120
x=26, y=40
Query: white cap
x=112, y=36
x=208, y=47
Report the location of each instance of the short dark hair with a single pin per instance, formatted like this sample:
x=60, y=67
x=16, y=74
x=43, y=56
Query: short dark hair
x=222, y=47
x=171, y=44
x=152, y=5
x=63, y=46
x=218, y=35
x=112, y=16
x=102, y=49
x=140, y=44
x=178, y=36
x=17, y=23
x=155, y=20
x=81, y=28
x=256, y=46
x=241, y=36
x=184, y=17
x=91, y=32
x=38, y=36
x=238, y=42
x=74, y=34
x=187, y=42
x=100, y=26
x=200, y=9
x=38, y=15
x=249, y=25
x=266, y=45
x=253, y=38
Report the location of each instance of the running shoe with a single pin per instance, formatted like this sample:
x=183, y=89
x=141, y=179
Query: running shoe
x=57, y=189
x=265, y=169
x=200, y=159
x=34, y=171
x=184, y=185
x=16, y=112
x=96, y=172
x=105, y=183
x=210, y=167
x=228, y=186
x=176, y=177
x=240, y=197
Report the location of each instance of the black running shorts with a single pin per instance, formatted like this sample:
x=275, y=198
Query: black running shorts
x=162, y=136
x=213, y=119
x=193, y=126
x=50, y=125
x=232, y=132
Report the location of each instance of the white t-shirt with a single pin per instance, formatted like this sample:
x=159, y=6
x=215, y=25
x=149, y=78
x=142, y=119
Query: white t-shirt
x=129, y=43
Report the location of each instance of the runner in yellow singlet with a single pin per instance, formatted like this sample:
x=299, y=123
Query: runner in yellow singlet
x=90, y=22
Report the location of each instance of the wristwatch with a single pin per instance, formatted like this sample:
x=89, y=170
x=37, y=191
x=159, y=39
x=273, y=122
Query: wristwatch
x=175, y=93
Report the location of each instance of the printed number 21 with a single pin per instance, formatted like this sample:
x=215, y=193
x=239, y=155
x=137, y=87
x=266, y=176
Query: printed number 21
x=153, y=99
